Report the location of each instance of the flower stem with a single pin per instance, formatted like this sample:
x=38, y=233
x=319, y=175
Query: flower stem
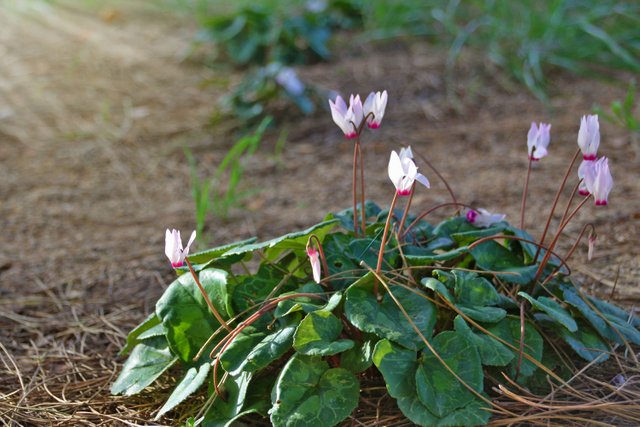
x=444, y=181
x=406, y=210
x=547, y=255
x=364, y=215
x=206, y=297
x=382, y=243
x=524, y=194
x=354, y=186
x=555, y=202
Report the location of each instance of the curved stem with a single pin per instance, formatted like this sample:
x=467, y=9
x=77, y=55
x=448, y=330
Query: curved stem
x=364, y=215
x=555, y=202
x=382, y=243
x=427, y=212
x=446, y=184
x=571, y=251
x=206, y=297
x=406, y=211
x=524, y=194
x=552, y=245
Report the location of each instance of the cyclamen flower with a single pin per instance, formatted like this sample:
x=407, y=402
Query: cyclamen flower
x=173, y=247
x=592, y=245
x=538, y=140
x=347, y=119
x=598, y=181
x=403, y=172
x=315, y=263
x=589, y=137
x=374, y=107
x=483, y=218
x=586, y=167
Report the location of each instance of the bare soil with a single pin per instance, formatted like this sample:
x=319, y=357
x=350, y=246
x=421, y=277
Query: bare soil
x=96, y=105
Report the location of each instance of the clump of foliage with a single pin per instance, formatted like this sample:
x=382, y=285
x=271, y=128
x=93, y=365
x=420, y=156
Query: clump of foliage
x=444, y=312
x=626, y=114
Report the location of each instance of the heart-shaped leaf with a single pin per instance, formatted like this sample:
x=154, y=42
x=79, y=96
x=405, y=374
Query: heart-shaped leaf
x=508, y=329
x=492, y=352
x=385, y=318
x=358, y=358
x=317, y=335
x=309, y=393
x=491, y=256
x=586, y=342
x=223, y=412
x=134, y=338
x=437, y=388
x=190, y=383
x=242, y=345
x=270, y=348
x=147, y=361
x=553, y=309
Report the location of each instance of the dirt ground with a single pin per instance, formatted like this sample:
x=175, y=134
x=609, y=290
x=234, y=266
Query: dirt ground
x=96, y=105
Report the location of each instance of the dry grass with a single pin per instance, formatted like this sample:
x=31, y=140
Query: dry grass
x=96, y=105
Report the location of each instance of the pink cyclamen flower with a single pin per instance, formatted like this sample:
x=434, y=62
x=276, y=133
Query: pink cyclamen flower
x=592, y=245
x=586, y=168
x=589, y=137
x=483, y=218
x=598, y=181
x=347, y=118
x=538, y=140
x=173, y=247
x=314, y=258
x=374, y=107
x=403, y=172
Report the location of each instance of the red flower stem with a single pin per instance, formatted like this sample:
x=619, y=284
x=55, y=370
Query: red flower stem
x=355, y=196
x=571, y=251
x=382, y=243
x=406, y=210
x=206, y=297
x=524, y=194
x=555, y=202
x=547, y=255
x=424, y=214
x=363, y=224
x=573, y=195
x=226, y=341
x=444, y=181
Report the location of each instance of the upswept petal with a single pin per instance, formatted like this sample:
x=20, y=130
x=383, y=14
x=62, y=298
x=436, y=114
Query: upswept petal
x=589, y=136
x=395, y=169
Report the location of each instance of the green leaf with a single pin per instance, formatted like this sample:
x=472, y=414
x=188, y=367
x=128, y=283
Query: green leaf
x=190, y=383
x=358, y=358
x=317, y=335
x=436, y=387
x=491, y=256
x=420, y=260
x=134, y=338
x=508, y=329
x=492, y=352
x=367, y=250
x=215, y=282
x=270, y=348
x=438, y=287
x=346, y=216
x=398, y=366
x=473, y=290
x=147, y=362
x=308, y=393
x=336, y=250
x=484, y=314
x=572, y=298
x=553, y=309
x=456, y=224
x=613, y=310
x=254, y=289
x=296, y=241
x=186, y=319
x=466, y=237
x=385, y=318
x=305, y=304
x=217, y=252
x=242, y=345
x=225, y=411
x=530, y=249
x=474, y=414
x=586, y=342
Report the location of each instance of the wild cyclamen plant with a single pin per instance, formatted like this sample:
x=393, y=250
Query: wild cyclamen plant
x=444, y=314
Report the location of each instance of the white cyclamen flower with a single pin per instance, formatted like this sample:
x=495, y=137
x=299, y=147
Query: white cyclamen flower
x=173, y=247
x=374, y=107
x=589, y=137
x=483, y=218
x=403, y=172
x=538, y=140
x=598, y=181
x=347, y=118
x=314, y=259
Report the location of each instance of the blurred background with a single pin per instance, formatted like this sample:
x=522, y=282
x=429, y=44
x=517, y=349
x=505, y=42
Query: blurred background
x=119, y=119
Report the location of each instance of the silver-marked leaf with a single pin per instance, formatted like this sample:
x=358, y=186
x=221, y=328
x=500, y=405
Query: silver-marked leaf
x=317, y=335
x=492, y=352
x=398, y=366
x=553, y=309
x=508, y=329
